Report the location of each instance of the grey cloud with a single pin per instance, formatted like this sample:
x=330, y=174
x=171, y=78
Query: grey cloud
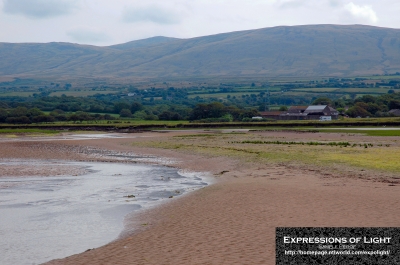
x=335, y=3
x=150, y=14
x=38, y=8
x=87, y=36
x=291, y=4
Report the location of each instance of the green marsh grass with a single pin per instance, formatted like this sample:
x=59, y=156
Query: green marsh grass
x=251, y=148
x=366, y=132
x=27, y=131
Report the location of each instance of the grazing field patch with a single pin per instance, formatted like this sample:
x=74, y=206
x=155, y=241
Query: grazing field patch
x=352, y=153
x=27, y=131
x=83, y=93
x=393, y=132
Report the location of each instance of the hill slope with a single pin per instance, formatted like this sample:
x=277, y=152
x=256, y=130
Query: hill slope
x=143, y=43
x=314, y=50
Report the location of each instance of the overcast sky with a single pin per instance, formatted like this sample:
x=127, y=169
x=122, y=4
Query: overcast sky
x=106, y=22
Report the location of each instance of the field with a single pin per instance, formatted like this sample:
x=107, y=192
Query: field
x=83, y=93
x=27, y=131
x=293, y=148
x=17, y=94
x=343, y=125
x=58, y=93
x=295, y=92
x=369, y=132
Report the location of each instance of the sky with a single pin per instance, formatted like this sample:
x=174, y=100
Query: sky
x=107, y=22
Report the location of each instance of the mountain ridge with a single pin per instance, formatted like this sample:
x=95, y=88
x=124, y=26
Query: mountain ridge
x=308, y=50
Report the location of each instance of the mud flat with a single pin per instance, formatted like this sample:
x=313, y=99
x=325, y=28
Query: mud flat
x=258, y=188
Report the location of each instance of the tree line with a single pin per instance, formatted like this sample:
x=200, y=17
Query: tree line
x=365, y=106
x=110, y=107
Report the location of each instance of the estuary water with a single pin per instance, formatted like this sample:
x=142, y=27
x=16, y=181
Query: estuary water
x=44, y=218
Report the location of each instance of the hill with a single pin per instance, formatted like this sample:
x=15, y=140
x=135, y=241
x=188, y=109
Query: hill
x=143, y=43
x=313, y=50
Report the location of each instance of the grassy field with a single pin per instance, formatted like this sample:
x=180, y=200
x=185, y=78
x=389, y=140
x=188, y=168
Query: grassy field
x=375, y=157
x=312, y=90
x=222, y=95
x=83, y=93
x=267, y=125
x=17, y=94
x=373, y=90
x=74, y=93
x=297, y=92
x=394, y=132
x=101, y=123
x=27, y=131
x=381, y=77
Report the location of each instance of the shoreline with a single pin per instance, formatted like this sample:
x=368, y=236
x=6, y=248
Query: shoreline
x=233, y=221
x=19, y=169
x=96, y=203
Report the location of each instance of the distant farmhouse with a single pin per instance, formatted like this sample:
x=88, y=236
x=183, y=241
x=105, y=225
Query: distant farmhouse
x=395, y=112
x=315, y=112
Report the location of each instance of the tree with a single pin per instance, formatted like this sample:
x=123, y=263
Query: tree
x=83, y=116
x=3, y=115
x=120, y=106
x=56, y=112
x=20, y=120
x=140, y=115
x=125, y=113
x=165, y=116
x=43, y=118
x=362, y=105
x=283, y=108
x=61, y=117
x=322, y=101
x=73, y=118
x=249, y=114
x=356, y=111
x=176, y=117
x=169, y=116
x=18, y=112
x=216, y=110
x=108, y=117
x=34, y=112
x=227, y=118
x=136, y=106
x=366, y=99
x=205, y=111
x=75, y=107
x=394, y=104
x=96, y=108
x=373, y=108
x=63, y=107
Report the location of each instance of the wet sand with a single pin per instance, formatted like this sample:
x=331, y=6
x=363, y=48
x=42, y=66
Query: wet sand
x=234, y=220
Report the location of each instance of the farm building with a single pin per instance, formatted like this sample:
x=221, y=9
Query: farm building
x=271, y=114
x=296, y=109
x=313, y=112
x=321, y=110
x=395, y=112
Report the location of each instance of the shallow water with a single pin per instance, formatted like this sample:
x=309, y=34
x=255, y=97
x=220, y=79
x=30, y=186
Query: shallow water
x=44, y=218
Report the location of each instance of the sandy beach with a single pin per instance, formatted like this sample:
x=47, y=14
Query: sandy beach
x=232, y=221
